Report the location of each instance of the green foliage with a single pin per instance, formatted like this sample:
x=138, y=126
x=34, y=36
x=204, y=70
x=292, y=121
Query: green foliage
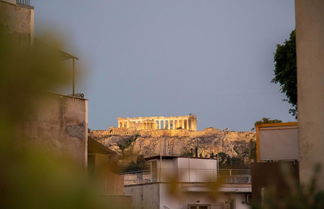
x=252, y=150
x=125, y=143
x=187, y=153
x=223, y=159
x=226, y=161
x=266, y=121
x=32, y=177
x=138, y=165
x=285, y=72
x=300, y=196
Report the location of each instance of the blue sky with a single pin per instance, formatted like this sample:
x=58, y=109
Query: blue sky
x=212, y=58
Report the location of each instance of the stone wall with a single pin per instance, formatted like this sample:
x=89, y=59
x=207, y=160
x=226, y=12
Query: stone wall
x=61, y=126
x=17, y=19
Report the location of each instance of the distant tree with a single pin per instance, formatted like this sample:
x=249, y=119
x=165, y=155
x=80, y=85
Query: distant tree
x=285, y=72
x=125, y=143
x=196, y=151
x=212, y=155
x=228, y=162
x=138, y=165
x=187, y=153
x=252, y=150
x=223, y=159
x=266, y=121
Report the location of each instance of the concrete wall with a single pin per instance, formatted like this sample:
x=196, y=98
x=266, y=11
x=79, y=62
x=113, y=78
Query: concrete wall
x=185, y=169
x=111, y=183
x=158, y=196
x=144, y=196
x=61, y=125
x=17, y=19
x=310, y=67
x=277, y=142
x=267, y=175
x=196, y=170
x=117, y=201
x=223, y=201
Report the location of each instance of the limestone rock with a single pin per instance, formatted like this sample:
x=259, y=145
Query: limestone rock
x=176, y=142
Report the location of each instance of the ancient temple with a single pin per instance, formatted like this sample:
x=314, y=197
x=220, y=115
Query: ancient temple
x=188, y=122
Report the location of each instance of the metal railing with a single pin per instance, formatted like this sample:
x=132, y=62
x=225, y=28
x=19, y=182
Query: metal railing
x=138, y=177
x=23, y=2
x=236, y=176
x=233, y=172
x=230, y=176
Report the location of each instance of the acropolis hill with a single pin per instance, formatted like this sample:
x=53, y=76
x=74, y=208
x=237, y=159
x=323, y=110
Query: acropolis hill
x=150, y=142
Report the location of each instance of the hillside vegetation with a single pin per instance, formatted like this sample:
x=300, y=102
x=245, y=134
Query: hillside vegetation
x=206, y=143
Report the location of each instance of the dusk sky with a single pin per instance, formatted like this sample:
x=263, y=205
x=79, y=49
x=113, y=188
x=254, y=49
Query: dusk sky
x=212, y=58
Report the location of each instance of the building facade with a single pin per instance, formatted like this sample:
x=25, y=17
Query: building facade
x=61, y=126
x=17, y=18
x=310, y=87
x=188, y=122
x=185, y=183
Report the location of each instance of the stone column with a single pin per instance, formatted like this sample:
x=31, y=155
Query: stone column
x=310, y=76
x=189, y=124
x=194, y=124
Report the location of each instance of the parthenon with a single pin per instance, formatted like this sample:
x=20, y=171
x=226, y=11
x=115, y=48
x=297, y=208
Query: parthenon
x=188, y=122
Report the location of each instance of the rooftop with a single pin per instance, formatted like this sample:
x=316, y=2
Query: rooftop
x=170, y=157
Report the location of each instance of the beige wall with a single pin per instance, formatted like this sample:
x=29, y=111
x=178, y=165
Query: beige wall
x=310, y=67
x=118, y=201
x=144, y=196
x=61, y=125
x=102, y=167
x=17, y=19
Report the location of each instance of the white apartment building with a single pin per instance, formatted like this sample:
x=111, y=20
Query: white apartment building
x=151, y=189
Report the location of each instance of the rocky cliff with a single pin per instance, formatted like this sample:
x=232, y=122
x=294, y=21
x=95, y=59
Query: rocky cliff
x=209, y=141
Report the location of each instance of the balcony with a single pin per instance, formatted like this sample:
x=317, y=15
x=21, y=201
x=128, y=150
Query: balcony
x=231, y=176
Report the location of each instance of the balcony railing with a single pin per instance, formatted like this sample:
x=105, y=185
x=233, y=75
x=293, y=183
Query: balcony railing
x=23, y=2
x=231, y=176
x=140, y=177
